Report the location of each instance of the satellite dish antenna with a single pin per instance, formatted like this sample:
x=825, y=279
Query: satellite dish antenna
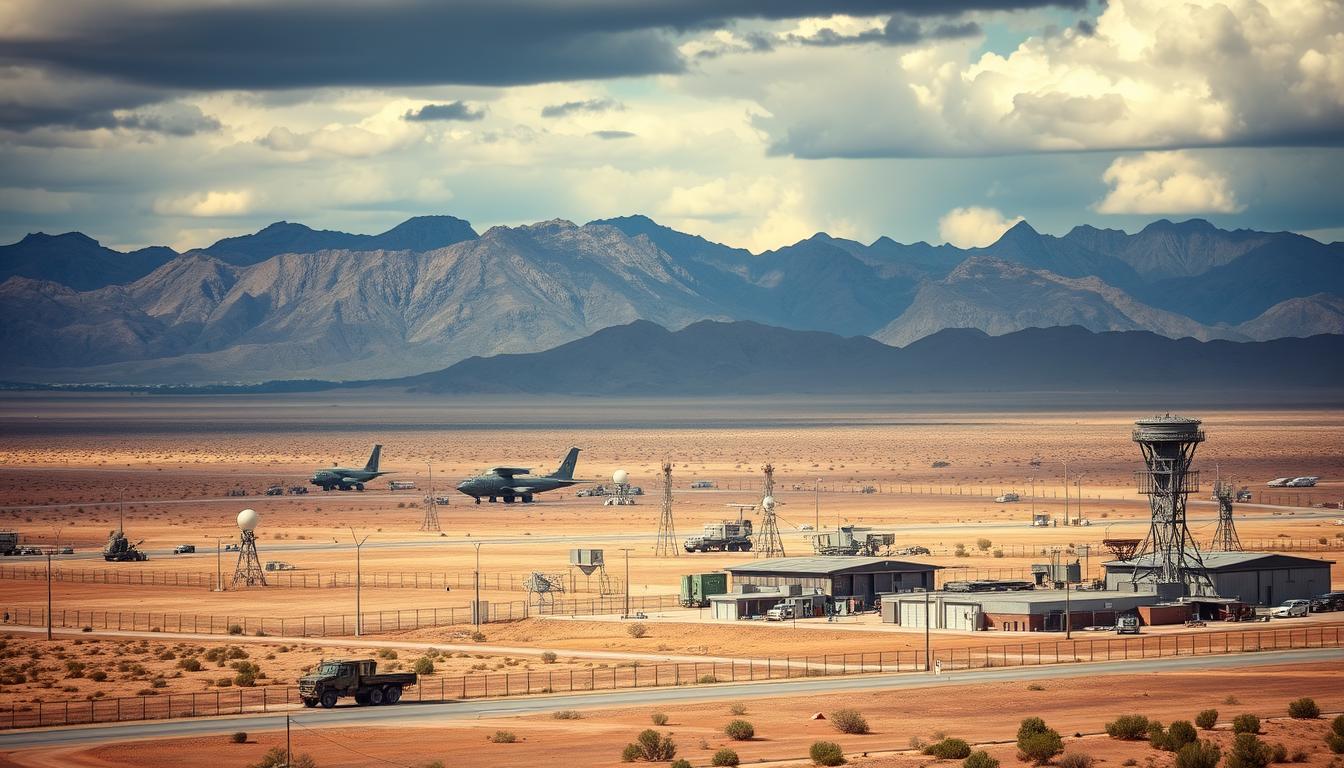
x=248, y=519
x=768, y=502
x=620, y=476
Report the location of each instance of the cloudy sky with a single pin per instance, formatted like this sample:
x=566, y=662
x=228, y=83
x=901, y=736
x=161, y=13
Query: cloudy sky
x=752, y=122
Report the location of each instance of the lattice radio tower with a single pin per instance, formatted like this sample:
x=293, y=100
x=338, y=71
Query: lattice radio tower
x=248, y=572
x=431, y=521
x=667, y=532
x=768, y=541
x=1225, y=538
x=1169, y=558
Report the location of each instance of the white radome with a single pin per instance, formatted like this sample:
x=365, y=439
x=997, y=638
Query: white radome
x=768, y=502
x=620, y=476
x=248, y=519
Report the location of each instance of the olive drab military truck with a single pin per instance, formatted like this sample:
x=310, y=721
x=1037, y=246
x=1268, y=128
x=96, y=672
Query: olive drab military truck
x=119, y=549
x=359, y=678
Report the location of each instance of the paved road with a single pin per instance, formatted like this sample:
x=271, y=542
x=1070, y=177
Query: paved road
x=409, y=713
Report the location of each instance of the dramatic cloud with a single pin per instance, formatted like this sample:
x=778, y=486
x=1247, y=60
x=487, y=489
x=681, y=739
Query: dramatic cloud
x=206, y=204
x=973, y=227
x=587, y=105
x=453, y=110
x=898, y=30
x=614, y=134
x=1166, y=183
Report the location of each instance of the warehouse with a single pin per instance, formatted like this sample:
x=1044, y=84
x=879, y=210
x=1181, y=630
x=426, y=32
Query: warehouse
x=853, y=582
x=749, y=601
x=1256, y=578
x=1040, y=610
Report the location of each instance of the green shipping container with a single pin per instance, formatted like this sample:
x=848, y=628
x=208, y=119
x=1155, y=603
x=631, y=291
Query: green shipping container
x=696, y=588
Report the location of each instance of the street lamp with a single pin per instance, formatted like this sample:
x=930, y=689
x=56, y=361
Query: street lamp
x=1066, y=492
x=359, y=544
x=56, y=531
x=626, y=550
x=476, y=582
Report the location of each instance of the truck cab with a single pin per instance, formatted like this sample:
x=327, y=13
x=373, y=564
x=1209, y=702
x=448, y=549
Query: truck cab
x=359, y=678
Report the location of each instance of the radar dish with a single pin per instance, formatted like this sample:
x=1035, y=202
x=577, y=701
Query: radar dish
x=768, y=502
x=248, y=519
x=620, y=476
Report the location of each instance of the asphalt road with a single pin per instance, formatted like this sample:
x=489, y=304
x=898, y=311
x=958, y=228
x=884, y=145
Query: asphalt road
x=409, y=714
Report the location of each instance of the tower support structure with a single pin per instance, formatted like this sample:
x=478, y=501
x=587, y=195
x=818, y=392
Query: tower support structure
x=768, y=541
x=667, y=532
x=248, y=572
x=1168, y=560
x=1225, y=539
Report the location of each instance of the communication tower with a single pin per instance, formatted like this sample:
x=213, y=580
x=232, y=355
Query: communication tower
x=1225, y=538
x=248, y=572
x=1169, y=560
x=667, y=534
x=544, y=586
x=431, y=521
x=768, y=541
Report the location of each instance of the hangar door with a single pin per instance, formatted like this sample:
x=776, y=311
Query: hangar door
x=912, y=613
x=959, y=616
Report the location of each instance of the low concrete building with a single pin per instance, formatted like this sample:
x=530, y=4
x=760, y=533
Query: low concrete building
x=847, y=580
x=1039, y=610
x=749, y=601
x=1255, y=578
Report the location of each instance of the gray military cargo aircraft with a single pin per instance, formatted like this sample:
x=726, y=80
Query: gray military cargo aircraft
x=511, y=483
x=345, y=478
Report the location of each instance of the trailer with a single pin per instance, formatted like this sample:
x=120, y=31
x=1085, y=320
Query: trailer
x=9, y=542
x=697, y=588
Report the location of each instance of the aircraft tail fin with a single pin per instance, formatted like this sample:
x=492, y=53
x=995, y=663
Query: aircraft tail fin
x=566, y=470
x=372, y=466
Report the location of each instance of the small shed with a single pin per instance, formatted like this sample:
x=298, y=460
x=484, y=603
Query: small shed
x=860, y=579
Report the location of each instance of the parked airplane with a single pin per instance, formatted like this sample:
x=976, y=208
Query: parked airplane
x=345, y=478
x=511, y=483
x=1303, y=482
x=1279, y=482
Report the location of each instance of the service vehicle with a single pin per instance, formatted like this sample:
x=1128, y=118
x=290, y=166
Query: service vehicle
x=184, y=549
x=1279, y=482
x=400, y=485
x=1244, y=494
x=337, y=678
x=1007, y=498
x=1330, y=601
x=1291, y=608
x=298, y=490
x=1308, y=481
x=1127, y=625
x=724, y=536
x=781, y=612
x=275, y=490
x=66, y=551
x=9, y=542
x=279, y=565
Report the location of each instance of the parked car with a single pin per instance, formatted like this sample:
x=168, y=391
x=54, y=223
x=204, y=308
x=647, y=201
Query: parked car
x=66, y=551
x=1007, y=498
x=780, y=612
x=230, y=547
x=913, y=550
x=1330, y=601
x=1291, y=608
x=184, y=549
x=275, y=490
x=298, y=490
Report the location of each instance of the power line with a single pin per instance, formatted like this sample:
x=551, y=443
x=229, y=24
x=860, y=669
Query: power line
x=348, y=748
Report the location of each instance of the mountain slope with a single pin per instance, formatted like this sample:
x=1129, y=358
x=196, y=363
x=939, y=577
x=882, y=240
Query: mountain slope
x=77, y=261
x=1308, y=316
x=422, y=233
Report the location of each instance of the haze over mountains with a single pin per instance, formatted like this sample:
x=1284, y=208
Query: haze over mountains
x=291, y=302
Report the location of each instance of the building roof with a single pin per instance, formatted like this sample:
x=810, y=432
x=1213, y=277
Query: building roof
x=1232, y=561
x=826, y=566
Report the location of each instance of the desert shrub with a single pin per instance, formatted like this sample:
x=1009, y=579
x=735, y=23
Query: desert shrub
x=1175, y=736
x=650, y=745
x=1038, y=742
x=504, y=737
x=246, y=674
x=1248, y=751
x=681, y=763
x=658, y=718
x=636, y=630
x=192, y=664
x=423, y=666
x=478, y=637
x=97, y=675
x=739, y=730
x=1299, y=756
x=631, y=753
x=826, y=753
x=980, y=759
x=707, y=679
x=849, y=721
x=1035, y=687
x=1199, y=754
x=737, y=708
x=950, y=749
x=74, y=668
x=1206, y=719
x=239, y=737
x=1128, y=727
x=1076, y=760
x=724, y=757
x=235, y=629
x=1278, y=753
x=548, y=657
x=224, y=682
x=387, y=653
x=1304, y=709
x=1335, y=738
x=567, y=714
x=983, y=544
x=1245, y=724
x=275, y=757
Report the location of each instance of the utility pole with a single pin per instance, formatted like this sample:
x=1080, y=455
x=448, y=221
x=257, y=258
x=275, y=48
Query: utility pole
x=48, y=594
x=817, y=492
x=927, y=662
x=1068, y=614
x=219, y=563
x=626, y=550
x=1078, y=484
x=1066, y=491
x=359, y=544
x=289, y=752
x=476, y=581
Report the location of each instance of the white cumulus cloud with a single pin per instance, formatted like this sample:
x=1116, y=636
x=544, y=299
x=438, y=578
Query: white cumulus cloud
x=1165, y=183
x=207, y=204
x=973, y=226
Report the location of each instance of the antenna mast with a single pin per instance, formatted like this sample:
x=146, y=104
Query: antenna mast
x=667, y=534
x=769, y=543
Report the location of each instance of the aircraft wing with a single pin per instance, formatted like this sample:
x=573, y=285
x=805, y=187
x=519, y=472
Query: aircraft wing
x=509, y=471
x=521, y=489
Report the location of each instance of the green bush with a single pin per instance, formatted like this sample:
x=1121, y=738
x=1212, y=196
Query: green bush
x=1206, y=719
x=504, y=737
x=739, y=730
x=567, y=714
x=725, y=757
x=949, y=749
x=275, y=757
x=1248, y=751
x=1335, y=738
x=1199, y=754
x=826, y=753
x=980, y=759
x=1037, y=742
x=637, y=630
x=650, y=745
x=423, y=666
x=849, y=721
x=548, y=657
x=1128, y=727
x=681, y=763
x=1177, y=735
x=658, y=718
x=239, y=737
x=235, y=629
x=1304, y=709
x=192, y=664
x=631, y=753
x=1278, y=753
x=738, y=708
x=1076, y=760
x=1245, y=724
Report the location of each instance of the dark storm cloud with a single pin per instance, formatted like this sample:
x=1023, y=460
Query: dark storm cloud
x=168, y=118
x=613, y=134
x=897, y=31
x=591, y=105
x=453, y=110
x=414, y=42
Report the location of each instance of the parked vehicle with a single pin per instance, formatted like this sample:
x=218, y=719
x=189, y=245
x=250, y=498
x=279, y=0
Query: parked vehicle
x=1007, y=498
x=1127, y=625
x=359, y=678
x=696, y=588
x=236, y=492
x=9, y=542
x=66, y=551
x=230, y=547
x=1244, y=494
x=912, y=550
x=298, y=490
x=279, y=565
x=781, y=612
x=400, y=485
x=184, y=549
x=1291, y=608
x=700, y=484
x=725, y=536
x=275, y=490
x=1330, y=601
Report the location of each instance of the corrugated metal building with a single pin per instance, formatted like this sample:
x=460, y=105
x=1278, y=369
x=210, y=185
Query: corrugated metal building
x=748, y=601
x=1035, y=610
x=842, y=578
x=1255, y=578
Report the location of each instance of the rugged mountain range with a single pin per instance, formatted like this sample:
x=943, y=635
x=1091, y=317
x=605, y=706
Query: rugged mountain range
x=743, y=358
x=291, y=302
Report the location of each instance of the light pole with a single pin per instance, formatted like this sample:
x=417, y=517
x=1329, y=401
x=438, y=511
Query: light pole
x=816, y=489
x=476, y=582
x=927, y=662
x=1078, y=484
x=1068, y=614
x=359, y=544
x=56, y=531
x=1067, y=519
x=219, y=563
x=626, y=550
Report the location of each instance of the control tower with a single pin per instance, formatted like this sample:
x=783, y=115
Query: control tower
x=1168, y=561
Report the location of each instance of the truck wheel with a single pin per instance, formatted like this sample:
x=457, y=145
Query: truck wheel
x=361, y=699
x=328, y=699
x=375, y=696
x=359, y=486
x=310, y=703
x=393, y=694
